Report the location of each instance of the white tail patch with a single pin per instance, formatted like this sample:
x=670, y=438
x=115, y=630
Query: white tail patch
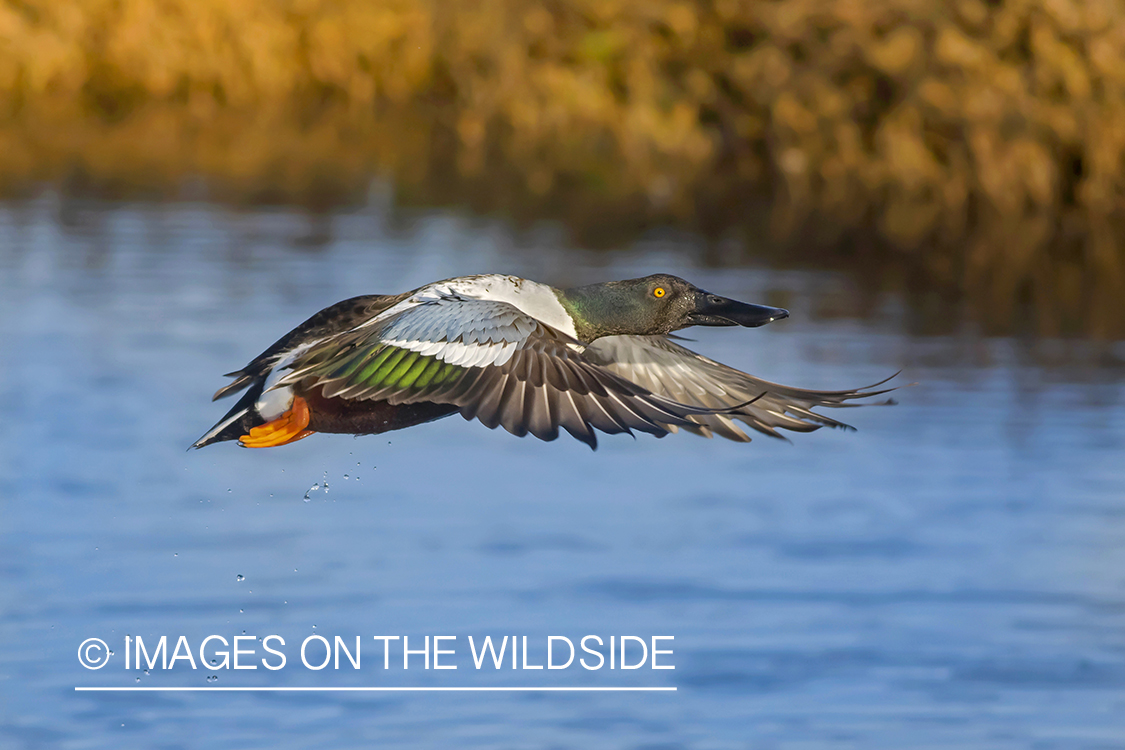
x=274, y=402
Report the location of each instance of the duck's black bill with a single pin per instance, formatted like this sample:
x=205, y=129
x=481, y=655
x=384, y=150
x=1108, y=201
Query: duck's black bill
x=713, y=310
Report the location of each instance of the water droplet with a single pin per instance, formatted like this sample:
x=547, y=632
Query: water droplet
x=138, y=680
x=346, y=477
x=146, y=671
x=240, y=611
x=228, y=490
x=211, y=678
x=175, y=554
x=240, y=578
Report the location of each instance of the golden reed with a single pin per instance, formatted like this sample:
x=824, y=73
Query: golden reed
x=984, y=139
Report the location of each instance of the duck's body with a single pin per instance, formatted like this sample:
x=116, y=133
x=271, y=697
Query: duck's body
x=518, y=354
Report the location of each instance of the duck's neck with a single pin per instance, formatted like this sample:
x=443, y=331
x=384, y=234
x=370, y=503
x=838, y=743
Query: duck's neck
x=602, y=310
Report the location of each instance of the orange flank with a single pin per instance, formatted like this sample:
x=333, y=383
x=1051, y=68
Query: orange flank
x=288, y=428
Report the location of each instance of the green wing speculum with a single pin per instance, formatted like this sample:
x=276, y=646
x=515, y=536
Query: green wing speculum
x=377, y=371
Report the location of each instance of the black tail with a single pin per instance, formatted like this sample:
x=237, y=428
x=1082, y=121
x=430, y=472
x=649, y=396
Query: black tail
x=238, y=421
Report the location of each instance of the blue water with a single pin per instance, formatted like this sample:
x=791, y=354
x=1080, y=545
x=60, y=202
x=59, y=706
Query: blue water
x=952, y=575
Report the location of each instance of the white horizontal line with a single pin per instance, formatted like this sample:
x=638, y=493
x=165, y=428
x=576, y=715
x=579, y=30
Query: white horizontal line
x=507, y=689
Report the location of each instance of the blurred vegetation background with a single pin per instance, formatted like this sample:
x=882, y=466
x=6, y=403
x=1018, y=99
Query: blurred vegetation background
x=976, y=144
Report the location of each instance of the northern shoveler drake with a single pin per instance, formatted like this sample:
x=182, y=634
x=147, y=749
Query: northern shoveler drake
x=515, y=353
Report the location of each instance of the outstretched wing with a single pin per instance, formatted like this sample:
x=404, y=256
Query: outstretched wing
x=667, y=369
x=490, y=359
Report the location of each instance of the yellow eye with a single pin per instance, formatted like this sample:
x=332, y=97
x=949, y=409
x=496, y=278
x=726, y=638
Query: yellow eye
x=658, y=292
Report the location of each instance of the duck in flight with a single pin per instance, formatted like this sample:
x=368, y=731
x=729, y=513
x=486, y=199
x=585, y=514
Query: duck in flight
x=518, y=354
